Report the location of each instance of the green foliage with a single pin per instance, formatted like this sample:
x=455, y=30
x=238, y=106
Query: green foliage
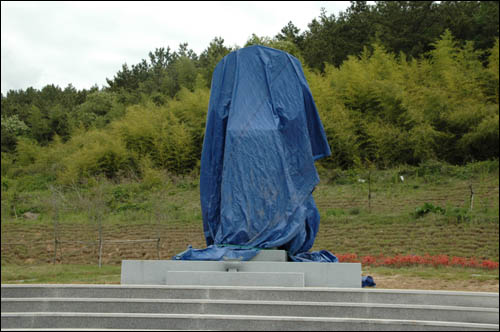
x=35, y=182
x=95, y=153
x=209, y=58
x=99, y=109
x=27, y=151
x=157, y=133
x=281, y=43
x=191, y=110
x=341, y=177
x=388, y=111
x=7, y=163
x=335, y=212
x=354, y=211
x=493, y=60
x=40, y=125
x=433, y=171
x=152, y=177
x=407, y=27
x=428, y=208
x=12, y=127
x=46, y=113
x=159, y=78
x=187, y=72
x=126, y=197
x=459, y=214
x=332, y=39
x=406, y=83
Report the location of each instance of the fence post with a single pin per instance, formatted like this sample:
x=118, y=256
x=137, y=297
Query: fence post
x=97, y=209
x=55, y=251
x=158, y=247
x=55, y=218
x=100, y=240
x=370, y=191
x=471, y=196
x=157, y=213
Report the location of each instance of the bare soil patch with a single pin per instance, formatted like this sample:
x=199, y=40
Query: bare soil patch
x=406, y=282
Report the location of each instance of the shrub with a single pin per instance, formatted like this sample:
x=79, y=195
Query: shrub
x=155, y=132
x=97, y=153
x=427, y=208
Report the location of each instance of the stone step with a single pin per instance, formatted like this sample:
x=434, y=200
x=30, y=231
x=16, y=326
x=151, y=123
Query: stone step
x=68, y=329
x=355, y=295
x=258, y=308
x=224, y=322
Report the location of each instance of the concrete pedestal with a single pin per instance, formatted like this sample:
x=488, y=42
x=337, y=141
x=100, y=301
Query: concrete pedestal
x=258, y=272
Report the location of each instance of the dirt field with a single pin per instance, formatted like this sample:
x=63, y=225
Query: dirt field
x=408, y=282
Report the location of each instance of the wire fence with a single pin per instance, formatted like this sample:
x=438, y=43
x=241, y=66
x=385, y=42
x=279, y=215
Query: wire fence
x=58, y=252
x=83, y=244
x=97, y=239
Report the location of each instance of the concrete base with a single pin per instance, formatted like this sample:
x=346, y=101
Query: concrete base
x=263, y=279
x=155, y=272
x=270, y=255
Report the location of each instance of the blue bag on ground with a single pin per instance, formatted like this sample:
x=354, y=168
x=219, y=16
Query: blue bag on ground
x=262, y=136
x=367, y=282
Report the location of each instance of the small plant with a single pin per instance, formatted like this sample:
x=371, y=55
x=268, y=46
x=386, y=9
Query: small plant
x=461, y=214
x=354, y=211
x=427, y=208
x=335, y=212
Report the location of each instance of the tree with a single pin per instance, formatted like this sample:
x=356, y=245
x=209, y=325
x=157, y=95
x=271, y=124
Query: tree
x=209, y=58
x=40, y=125
x=475, y=21
x=407, y=26
x=290, y=33
x=95, y=110
x=12, y=127
x=332, y=39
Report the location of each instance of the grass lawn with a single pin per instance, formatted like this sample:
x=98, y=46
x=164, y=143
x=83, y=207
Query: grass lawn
x=61, y=274
x=446, y=278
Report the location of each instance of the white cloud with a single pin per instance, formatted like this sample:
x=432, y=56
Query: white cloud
x=84, y=43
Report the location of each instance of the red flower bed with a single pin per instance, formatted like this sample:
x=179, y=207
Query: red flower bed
x=412, y=260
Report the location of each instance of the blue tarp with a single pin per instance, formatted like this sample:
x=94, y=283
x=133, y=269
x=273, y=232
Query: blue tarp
x=368, y=282
x=262, y=136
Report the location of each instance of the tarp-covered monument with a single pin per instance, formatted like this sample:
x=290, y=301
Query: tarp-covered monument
x=263, y=134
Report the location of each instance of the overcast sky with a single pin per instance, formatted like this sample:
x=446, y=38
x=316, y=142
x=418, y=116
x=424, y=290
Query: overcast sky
x=84, y=43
